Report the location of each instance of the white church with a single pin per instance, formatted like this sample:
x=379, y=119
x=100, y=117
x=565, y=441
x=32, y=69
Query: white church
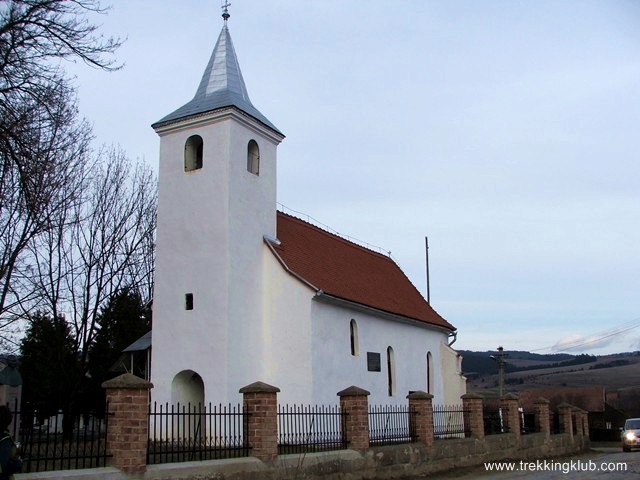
x=246, y=293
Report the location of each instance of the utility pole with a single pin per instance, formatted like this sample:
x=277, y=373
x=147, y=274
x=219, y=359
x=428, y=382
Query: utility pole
x=500, y=360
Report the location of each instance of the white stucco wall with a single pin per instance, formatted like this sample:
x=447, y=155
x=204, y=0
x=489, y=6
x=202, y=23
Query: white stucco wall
x=191, y=256
x=287, y=342
x=209, y=242
x=252, y=214
x=334, y=368
x=455, y=384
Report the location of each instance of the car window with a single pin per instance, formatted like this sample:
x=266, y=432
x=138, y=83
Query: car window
x=632, y=424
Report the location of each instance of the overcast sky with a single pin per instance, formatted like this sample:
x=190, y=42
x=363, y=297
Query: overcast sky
x=508, y=132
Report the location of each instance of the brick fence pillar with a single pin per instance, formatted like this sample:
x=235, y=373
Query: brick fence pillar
x=565, y=418
x=355, y=426
x=543, y=422
x=127, y=433
x=421, y=416
x=260, y=402
x=511, y=414
x=585, y=423
x=580, y=423
x=473, y=414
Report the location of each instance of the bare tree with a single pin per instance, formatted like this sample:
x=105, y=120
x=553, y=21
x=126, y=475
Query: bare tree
x=43, y=145
x=42, y=165
x=105, y=246
x=36, y=34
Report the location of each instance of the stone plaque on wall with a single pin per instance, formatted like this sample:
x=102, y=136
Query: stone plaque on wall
x=373, y=362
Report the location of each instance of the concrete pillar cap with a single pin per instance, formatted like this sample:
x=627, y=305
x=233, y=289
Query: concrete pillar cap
x=472, y=396
x=420, y=395
x=510, y=396
x=259, y=387
x=353, y=391
x=541, y=401
x=128, y=381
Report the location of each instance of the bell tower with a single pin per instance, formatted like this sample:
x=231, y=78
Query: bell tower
x=216, y=202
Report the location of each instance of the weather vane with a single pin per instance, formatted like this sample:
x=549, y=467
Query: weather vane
x=225, y=11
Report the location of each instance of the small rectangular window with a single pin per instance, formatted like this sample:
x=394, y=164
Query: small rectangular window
x=188, y=301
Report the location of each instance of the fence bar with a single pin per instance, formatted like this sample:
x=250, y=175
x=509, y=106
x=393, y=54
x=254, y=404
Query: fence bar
x=307, y=428
x=47, y=445
x=390, y=424
x=176, y=433
x=448, y=422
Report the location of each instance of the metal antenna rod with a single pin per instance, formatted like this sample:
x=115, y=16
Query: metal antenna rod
x=426, y=245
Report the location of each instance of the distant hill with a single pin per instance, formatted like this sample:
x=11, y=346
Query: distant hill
x=526, y=370
x=524, y=355
x=481, y=363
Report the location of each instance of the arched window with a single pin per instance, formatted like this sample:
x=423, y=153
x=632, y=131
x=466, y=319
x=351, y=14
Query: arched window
x=193, y=149
x=353, y=330
x=391, y=372
x=429, y=373
x=253, y=158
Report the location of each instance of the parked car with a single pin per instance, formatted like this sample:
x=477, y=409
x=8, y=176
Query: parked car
x=630, y=434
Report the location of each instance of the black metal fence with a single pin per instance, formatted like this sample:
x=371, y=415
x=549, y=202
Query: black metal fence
x=528, y=422
x=493, y=423
x=554, y=422
x=55, y=443
x=391, y=424
x=181, y=433
x=448, y=422
x=310, y=428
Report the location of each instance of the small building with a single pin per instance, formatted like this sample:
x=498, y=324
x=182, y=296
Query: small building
x=136, y=358
x=10, y=385
x=604, y=419
x=10, y=381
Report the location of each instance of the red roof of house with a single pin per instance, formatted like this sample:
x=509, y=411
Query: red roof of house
x=350, y=272
x=591, y=399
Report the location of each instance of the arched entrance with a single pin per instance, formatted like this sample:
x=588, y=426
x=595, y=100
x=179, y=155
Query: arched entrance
x=187, y=398
x=187, y=388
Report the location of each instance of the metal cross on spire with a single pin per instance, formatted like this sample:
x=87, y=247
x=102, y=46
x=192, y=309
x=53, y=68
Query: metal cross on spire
x=225, y=11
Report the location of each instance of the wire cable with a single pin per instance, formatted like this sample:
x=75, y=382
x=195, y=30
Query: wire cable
x=593, y=339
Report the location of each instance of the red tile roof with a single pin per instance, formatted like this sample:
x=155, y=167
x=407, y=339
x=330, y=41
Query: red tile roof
x=350, y=272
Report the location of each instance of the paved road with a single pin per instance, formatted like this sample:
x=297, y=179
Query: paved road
x=605, y=463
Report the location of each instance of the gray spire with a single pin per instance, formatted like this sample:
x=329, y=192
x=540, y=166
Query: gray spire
x=221, y=86
x=223, y=71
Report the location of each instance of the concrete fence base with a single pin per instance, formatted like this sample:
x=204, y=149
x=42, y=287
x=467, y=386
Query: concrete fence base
x=389, y=462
